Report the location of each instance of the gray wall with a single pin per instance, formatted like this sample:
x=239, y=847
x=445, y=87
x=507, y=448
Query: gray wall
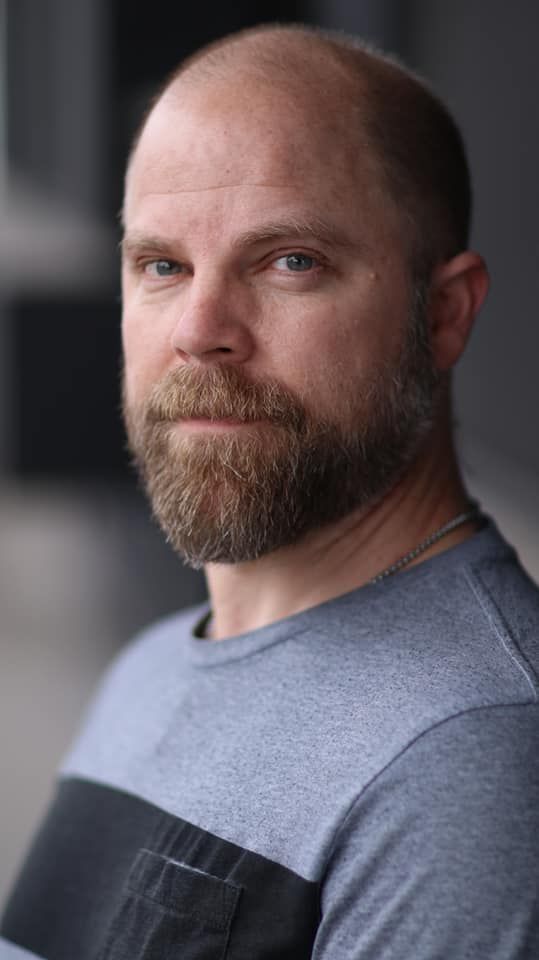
x=483, y=59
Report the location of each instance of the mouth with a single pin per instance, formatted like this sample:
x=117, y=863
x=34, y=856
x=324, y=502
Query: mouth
x=208, y=425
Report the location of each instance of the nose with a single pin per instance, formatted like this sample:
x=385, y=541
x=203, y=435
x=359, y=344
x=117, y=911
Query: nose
x=212, y=325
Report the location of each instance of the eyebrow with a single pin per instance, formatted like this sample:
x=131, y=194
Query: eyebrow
x=136, y=242
x=292, y=228
x=296, y=228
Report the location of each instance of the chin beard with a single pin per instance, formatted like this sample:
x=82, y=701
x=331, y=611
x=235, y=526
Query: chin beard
x=233, y=497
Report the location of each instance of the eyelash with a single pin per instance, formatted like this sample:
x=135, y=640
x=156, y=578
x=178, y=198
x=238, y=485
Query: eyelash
x=317, y=264
x=316, y=261
x=143, y=267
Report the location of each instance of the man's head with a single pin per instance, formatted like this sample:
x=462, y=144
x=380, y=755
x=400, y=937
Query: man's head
x=282, y=365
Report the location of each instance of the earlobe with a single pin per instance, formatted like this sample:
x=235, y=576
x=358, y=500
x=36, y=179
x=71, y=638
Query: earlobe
x=457, y=291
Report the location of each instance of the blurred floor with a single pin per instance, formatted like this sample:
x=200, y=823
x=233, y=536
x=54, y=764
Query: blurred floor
x=80, y=570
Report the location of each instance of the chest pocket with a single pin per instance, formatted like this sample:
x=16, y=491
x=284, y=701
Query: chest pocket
x=170, y=911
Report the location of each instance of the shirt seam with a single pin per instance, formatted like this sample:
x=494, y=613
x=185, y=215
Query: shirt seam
x=224, y=659
x=490, y=707
x=506, y=639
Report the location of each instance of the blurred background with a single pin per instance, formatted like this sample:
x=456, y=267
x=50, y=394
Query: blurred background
x=81, y=564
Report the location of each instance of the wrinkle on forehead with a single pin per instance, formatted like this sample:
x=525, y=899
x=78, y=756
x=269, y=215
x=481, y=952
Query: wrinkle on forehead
x=268, y=108
x=219, y=142
x=222, y=186
x=247, y=115
x=199, y=146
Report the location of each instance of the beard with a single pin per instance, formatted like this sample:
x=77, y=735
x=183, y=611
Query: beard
x=234, y=496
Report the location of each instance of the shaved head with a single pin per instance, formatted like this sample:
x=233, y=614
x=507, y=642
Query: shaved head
x=354, y=93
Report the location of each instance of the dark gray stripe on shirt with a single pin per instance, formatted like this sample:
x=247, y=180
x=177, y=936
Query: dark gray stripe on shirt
x=114, y=877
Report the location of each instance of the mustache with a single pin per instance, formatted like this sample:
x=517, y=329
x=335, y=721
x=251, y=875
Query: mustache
x=222, y=392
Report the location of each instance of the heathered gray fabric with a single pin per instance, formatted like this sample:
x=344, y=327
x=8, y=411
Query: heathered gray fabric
x=384, y=744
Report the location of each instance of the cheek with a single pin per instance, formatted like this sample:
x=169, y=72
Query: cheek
x=338, y=348
x=145, y=350
x=333, y=354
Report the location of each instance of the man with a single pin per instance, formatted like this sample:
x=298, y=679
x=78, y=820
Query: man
x=338, y=758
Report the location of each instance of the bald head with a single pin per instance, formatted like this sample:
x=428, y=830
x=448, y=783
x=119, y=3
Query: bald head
x=306, y=63
x=342, y=90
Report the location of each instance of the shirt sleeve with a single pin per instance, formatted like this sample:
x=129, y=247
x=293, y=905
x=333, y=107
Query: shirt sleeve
x=438, y=859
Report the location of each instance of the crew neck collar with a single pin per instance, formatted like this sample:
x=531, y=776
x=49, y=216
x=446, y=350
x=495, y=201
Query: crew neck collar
x=204, y=652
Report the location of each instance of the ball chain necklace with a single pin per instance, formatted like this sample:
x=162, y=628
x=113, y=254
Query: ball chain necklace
x=458, y=521
x=448, y=527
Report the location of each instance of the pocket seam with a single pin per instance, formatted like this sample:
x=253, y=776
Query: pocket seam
x=220, y=916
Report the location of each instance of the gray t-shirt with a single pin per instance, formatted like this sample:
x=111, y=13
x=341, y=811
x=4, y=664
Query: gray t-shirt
x=357, y=782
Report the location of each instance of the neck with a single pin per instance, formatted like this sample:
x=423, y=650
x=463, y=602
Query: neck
x=336, y=559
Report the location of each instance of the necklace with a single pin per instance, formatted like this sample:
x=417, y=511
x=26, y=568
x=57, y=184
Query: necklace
x=425, y=544
x=202, y=630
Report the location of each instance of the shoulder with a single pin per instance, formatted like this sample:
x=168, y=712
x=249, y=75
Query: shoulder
x=473, y=771
x=135, y=697
x=488, y=755
x=439, y=657
x=151, y=652
x=438, y=854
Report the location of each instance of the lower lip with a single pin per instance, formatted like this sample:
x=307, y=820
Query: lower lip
x=213, y=426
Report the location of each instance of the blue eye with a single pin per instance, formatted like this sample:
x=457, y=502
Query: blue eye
x=296, y=262
x=162, y=268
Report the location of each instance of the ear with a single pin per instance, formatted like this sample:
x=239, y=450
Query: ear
x=457, y=291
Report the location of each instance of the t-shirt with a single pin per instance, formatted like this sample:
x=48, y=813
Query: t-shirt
x=359, y=781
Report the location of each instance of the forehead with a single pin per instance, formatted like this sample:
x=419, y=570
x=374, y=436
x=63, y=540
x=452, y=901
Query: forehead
x=211, y=146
